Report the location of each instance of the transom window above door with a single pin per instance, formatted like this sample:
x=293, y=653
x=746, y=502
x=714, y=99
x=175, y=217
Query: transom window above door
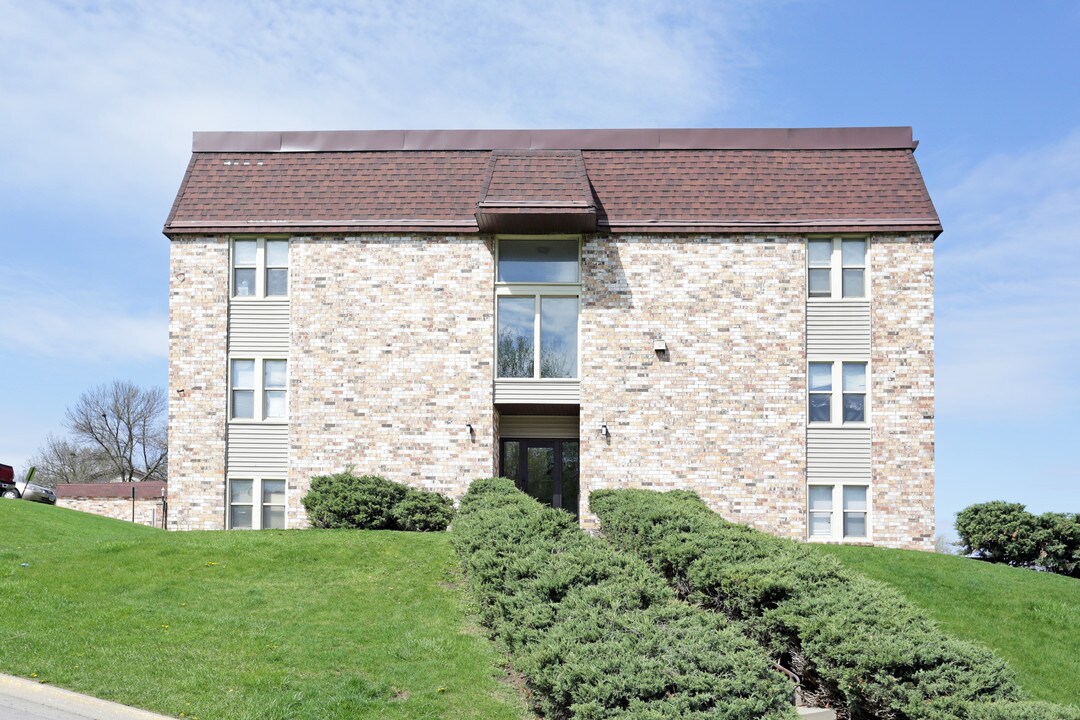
x=539, y=261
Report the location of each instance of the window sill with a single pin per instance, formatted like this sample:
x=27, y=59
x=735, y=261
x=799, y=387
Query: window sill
x=247, y=421
x=841, y=541
x=823, y=299
x=253, y=299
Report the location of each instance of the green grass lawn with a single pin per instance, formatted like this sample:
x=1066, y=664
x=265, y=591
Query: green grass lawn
x=1030, y=619
x=273, y=624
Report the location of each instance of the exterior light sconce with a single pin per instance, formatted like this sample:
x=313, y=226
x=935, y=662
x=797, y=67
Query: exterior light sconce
x=604, y=432
x=660, y=346
x=180, y=392
x=469, y=428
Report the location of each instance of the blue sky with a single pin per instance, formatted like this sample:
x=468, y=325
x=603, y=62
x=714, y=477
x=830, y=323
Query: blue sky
x=99, y=101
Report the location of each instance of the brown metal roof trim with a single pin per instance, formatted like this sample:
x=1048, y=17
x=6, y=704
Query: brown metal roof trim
x=144, y=489
x=850, y=138
x=786, y=229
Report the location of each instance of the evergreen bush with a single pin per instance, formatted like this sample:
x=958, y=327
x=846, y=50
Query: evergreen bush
x=1003, y=532
x=423, y=511
x=857, y=645
x=368, y=502
x=999, y=532
x=595, y=632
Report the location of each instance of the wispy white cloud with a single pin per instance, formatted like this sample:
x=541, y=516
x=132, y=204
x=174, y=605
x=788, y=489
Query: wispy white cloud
x=100, y=99
x=1008, y=273
x=43, y=318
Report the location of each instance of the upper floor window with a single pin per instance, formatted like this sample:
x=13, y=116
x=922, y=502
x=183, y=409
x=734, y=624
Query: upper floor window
x=257, y=389
x=836, y=268
x=537, y=325
x=260, y=268
x=836, y=384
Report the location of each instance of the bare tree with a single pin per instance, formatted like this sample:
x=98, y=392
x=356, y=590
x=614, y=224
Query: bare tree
x=61, y=460
x=943, y=545
x=516, y=357
x=128, y=424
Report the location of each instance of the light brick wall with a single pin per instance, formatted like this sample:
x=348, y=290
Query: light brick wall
x=722, y=414
x=198, y=322
x=147, y=510
x=902, y=391
x=392, y=352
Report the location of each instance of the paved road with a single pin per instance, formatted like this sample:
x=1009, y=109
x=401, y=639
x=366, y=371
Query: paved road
x=22, y=699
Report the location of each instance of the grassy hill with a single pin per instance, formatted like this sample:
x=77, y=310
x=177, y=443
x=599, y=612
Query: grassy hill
x=1030, y=619
x=243, y=625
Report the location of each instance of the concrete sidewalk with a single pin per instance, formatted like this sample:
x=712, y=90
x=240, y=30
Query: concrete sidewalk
x=22, y=699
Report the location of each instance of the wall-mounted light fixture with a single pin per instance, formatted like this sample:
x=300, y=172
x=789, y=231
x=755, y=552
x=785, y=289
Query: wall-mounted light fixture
x=604, y=432
x=469, y=427
x=180, y=392
x=659, y=346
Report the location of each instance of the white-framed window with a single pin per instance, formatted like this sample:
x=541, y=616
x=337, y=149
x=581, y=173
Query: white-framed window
x=260, y=268
x=538, y=306
x=838, y=512
x=256, y=504
x=837, y=392
x=836, y=268
x=258, y=389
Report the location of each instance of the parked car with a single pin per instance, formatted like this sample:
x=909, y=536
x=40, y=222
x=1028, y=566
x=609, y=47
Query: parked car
x=8, y=489
x=37, y=493
x=28, y=490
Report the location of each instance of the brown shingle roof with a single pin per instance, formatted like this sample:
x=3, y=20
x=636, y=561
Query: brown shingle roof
x=536, y=191
x=761, y=180
x=144, y=489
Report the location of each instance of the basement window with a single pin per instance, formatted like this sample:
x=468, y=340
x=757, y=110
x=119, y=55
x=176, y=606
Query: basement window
x=838, y=512
x=256, y=504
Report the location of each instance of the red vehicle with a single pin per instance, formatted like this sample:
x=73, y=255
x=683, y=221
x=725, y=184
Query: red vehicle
x=7, y=481
x=29, y=491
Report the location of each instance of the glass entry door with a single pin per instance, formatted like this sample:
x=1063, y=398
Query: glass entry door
x=545, y=469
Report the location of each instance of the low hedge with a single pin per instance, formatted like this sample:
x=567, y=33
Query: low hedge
x=368, y=502
x=595, y=632
x=857, y=644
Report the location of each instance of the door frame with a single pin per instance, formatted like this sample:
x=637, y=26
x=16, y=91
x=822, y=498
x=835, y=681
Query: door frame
x=523, y=464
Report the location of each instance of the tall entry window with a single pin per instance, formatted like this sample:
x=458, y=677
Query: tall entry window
x=538, y=307
x=547, y=470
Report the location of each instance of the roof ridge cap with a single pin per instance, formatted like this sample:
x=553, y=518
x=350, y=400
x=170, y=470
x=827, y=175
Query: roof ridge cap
x=844, y=138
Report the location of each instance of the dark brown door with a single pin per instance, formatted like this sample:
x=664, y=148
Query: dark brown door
x=545, y=469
